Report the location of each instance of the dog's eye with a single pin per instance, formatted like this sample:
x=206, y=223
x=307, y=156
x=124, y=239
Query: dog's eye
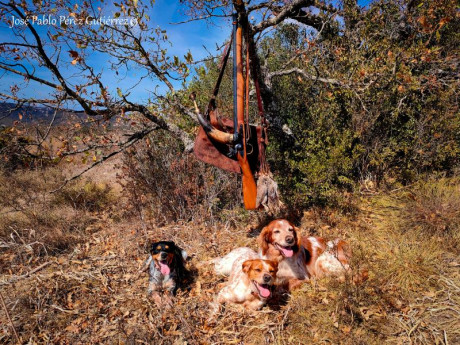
x=276, y=232
x=291, y=229
x=258, y=270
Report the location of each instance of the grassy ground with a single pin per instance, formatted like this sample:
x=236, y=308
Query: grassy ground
x=70, y=260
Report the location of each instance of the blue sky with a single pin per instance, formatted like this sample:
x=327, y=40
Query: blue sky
x=193, y=36
x=198, y=37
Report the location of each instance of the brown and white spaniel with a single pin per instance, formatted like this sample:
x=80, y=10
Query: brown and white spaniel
x=250, y=281
x=300, y=258
x=280, y=241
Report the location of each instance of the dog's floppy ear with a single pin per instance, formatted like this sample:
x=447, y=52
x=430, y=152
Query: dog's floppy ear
x=274, y=264
x=246, y=266
x=179, y=252
x=297, y=234
x=264, y=239
x=153, y=245
x=182, y=254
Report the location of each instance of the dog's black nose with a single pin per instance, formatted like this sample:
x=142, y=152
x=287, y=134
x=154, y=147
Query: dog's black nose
x=289, y=239
x=267, y=278
x=163, y=256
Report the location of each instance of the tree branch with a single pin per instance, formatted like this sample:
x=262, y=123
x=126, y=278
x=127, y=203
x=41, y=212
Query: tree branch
x=17, y=44
x=286, y=11
x=30, y=76
x=134, y=138
x=51, y=66
x=304, y=74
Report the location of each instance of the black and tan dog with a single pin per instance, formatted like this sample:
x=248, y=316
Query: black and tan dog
x=167, y=271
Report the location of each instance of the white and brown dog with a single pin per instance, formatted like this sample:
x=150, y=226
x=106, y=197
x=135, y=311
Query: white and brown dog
x=250, y=279
x=280, y=241
x=300, y=258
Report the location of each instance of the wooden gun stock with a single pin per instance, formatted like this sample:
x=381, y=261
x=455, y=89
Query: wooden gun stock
x=249, y=184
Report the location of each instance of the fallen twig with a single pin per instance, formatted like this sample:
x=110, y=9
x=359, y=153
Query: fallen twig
x=9, y=319
x=285, y=317
x=63, y=310
x=36, y=269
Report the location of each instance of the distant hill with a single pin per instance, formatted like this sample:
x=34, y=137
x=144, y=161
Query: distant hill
x=35, y=114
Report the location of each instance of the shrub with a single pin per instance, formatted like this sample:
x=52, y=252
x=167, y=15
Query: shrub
x=171, y=185
x=432, y=207
x=87, y=195
x=16, y=151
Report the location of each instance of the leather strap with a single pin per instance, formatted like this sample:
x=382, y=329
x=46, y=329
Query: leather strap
x=212, y=102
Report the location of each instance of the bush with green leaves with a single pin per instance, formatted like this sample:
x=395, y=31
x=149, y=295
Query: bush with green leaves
x=379, y=101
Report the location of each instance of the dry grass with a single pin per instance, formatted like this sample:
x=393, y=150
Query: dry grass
x=35, y=223
x=90, y=294
x=86, y=195
x=415, y=261
x=433, y=208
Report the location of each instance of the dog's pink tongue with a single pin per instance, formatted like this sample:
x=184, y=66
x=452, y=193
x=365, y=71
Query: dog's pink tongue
x=287, y=252
x=264, y=292
x=164, y=269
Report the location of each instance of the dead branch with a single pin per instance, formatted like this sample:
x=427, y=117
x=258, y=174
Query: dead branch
x=304, y=74
x=36, y=269
x=9, y=319
x=64, y=310
x=287, y=11
x=134, y=138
